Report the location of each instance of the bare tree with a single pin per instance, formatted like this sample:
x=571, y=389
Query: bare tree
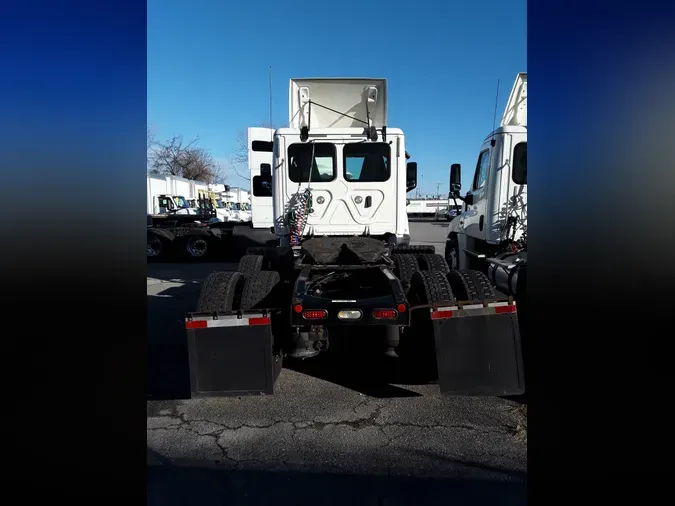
x=177, y=158
x=239, y=155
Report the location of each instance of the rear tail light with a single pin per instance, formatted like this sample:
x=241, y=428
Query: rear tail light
x=384, y=314
x=315, y=314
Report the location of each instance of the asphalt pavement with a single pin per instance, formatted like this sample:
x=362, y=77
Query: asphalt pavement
x=330, y=434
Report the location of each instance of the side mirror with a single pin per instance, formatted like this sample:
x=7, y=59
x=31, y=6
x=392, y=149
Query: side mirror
x=411, y=176
x=407, y=202
x=455, y=178
x=266, y=170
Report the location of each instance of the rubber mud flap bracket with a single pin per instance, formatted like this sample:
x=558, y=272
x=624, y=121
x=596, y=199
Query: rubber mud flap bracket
x=480, y=355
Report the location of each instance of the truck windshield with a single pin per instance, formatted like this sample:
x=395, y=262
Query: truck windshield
x=520, y=163
x=367, y=162
x=322, y=165
x=180, y=202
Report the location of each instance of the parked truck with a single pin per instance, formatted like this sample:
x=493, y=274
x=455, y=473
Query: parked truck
x=490, y=235
x=342, y=262
x=172, y=194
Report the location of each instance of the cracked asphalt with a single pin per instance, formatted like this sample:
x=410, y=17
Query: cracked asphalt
x=329, y=434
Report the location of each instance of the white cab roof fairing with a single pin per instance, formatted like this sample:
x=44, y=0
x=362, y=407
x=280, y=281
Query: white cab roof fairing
x=515, y=113
x=349, y=96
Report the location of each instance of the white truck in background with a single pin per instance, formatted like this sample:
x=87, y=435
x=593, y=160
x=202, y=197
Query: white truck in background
x=172, y=194
x=490, y=234
x=239, y=201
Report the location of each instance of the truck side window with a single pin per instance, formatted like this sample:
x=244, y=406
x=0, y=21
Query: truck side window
x=519, y=174
x=300, y=162
x=367, y=163
x=261, y=188
x=480, y=176
x=166, y=203
x=264, y=146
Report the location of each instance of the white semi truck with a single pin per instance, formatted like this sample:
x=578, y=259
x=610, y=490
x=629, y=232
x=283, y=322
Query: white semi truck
x=491, y=233
x=338, y=178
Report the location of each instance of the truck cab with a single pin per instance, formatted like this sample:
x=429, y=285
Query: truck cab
x=335, y=173
x=494, y=219
x=174, y=204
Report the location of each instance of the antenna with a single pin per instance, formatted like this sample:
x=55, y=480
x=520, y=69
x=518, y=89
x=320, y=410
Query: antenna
x=271, y=97
x=494, y=118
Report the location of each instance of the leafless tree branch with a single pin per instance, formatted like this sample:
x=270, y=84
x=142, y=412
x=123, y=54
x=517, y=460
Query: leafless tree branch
x=175, y=157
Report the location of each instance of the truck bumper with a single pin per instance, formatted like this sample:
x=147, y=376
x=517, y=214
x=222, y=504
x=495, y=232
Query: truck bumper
x=478, y=350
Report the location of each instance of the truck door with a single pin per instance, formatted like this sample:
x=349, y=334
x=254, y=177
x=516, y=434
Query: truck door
x=474, y=218
x=260, y=150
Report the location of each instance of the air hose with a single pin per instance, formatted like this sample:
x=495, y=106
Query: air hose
x=297, y=215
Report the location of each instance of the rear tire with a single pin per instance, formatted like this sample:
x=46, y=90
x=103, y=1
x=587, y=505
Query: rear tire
x=197, y=246
x=221, y=292
x=259, y=290
x=250, y=264
x=406, y=265
x=471, y=285
x=415, y=250
x=433, y=263
x=158, y=246
x=417, y=350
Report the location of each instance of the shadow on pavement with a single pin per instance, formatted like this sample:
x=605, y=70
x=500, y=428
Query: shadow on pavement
x=168, y=371
x=168, y=485
x=358, y=375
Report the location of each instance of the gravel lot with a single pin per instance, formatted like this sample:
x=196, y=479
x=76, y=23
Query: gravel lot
x=329, y=435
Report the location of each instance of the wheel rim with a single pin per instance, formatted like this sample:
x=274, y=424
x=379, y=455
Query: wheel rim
x=154, y=247
x=196, y=247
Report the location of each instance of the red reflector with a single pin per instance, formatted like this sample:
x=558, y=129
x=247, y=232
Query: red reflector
x=297, y=308
x=196, y=324
x=401, y=308
x=259, y=321
x=505, y=309
x=441, y=315
x=384, y=314
x=315, y=314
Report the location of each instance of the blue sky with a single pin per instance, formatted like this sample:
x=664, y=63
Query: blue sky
x=208, y=65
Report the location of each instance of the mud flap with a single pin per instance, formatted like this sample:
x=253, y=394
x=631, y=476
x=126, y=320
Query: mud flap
x=478, y=354
x=231, y=355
